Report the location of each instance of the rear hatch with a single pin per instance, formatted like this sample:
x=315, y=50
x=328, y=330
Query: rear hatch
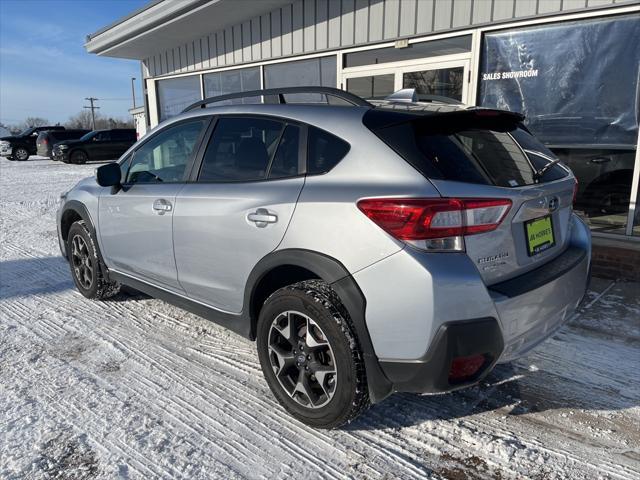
x=42, y=142
x=488, y=154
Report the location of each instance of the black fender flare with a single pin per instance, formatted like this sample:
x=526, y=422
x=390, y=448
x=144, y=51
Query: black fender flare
x=334, y=273
x=83, y=213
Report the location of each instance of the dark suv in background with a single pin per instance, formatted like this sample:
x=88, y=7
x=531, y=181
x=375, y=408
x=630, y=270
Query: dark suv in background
x=96, y=145
x=20, y=147
x=46, y=140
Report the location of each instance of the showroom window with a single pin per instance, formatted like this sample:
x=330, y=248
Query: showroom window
x=313, y=72
x=232, y=81
x=174, y=94
x=577, y=84
x=433, y=48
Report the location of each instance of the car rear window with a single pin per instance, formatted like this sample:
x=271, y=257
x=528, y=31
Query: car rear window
x=471, y=149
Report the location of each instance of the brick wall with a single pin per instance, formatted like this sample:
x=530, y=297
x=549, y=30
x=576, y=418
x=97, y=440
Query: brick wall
x=616, y=260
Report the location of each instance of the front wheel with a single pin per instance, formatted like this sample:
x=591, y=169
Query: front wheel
x=79, y=157
x=21, y=154
x=85, y=267
x=310, y=355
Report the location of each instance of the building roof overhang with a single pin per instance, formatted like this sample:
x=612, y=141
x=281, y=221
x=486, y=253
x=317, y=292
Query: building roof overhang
x=163, y=24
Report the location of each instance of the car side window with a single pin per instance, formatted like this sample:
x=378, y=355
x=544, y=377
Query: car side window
x=285, y=161
x=124, y=167
x=241, y=150
x=165, y=156
x=103, y=137
x=324, y=151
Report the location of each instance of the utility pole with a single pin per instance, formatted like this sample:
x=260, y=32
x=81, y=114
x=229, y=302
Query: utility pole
x=133, y=91
x=93, y=109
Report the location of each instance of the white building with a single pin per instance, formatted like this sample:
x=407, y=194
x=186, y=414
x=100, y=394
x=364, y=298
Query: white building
x=572, y=66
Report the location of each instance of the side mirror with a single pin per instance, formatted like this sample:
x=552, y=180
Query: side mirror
x=108, y=175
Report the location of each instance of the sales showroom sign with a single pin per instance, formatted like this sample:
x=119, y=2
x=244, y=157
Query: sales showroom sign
x=576, y=82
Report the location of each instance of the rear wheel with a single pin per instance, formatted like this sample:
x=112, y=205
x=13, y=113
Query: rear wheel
x=21, y=154
x=79, y=157
x=85, y=267
x=310, y=355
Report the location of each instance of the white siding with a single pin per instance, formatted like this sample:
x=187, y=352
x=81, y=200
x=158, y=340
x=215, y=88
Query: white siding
x=307, y=26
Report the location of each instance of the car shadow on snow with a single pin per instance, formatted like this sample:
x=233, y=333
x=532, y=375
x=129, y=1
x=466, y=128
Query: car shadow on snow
x=45, y=275
x=34, y=276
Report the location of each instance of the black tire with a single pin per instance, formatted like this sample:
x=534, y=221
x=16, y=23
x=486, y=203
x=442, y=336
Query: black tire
x=21, y=154
x=317, y=301
x=78, y=157
x=609, y=199
x=85, y=267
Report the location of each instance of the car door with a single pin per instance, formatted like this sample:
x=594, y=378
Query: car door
x=104, y=146
x=238, y=207
x=135, y=224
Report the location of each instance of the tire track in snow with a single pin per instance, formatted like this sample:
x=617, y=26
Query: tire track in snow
x=244, y=370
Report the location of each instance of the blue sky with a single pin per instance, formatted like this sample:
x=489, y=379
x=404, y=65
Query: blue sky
x=44, y=68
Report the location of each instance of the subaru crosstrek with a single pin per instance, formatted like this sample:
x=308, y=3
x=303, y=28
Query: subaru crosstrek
x=367, y=248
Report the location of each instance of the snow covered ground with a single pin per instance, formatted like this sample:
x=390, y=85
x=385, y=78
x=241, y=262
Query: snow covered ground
x=135, y=388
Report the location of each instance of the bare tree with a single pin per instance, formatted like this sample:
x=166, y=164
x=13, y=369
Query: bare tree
x=83, y=120
x=30, y=122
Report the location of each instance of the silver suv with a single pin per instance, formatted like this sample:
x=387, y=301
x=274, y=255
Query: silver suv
x=366, y=248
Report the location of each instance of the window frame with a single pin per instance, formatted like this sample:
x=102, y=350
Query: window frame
x=207, y=120
x=302, y=148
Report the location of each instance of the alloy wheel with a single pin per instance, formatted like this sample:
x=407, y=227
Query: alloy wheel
x=79, y=158
x=82, y=263
x=21, y=154
x=302, y=359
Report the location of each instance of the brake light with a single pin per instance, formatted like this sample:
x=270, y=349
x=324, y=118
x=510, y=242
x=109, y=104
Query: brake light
x=435, y=218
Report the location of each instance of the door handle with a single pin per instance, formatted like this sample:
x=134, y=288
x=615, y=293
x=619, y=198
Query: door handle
x=262, y=217
x=600, y=160
x=161, y=206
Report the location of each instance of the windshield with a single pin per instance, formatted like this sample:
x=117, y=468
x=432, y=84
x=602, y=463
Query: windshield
x=27, y=132
x=88, y=136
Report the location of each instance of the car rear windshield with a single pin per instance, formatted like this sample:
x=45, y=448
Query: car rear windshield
x=471, y=148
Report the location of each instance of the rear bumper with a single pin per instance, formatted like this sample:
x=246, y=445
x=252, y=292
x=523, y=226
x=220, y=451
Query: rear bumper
x=530, y=317
x=44, y=152
x=439, y=309
x=453, y=340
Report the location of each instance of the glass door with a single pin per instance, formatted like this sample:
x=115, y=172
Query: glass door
x=430, y=79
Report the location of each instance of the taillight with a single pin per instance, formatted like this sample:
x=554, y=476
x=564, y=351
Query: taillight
x=426, y=219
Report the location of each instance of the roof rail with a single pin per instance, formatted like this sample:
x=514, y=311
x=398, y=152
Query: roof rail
x=280, y=93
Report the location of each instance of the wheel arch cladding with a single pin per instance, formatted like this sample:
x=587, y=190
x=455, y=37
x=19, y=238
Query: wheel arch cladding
x=73, y=211
x=294, y=265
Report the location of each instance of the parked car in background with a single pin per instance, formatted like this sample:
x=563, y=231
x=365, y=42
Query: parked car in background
x=47, y=139
x=20, y=147
x=385, y=247
x=96, y=145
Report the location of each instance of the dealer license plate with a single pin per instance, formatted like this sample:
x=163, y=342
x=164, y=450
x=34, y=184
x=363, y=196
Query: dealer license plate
x=539, y=234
